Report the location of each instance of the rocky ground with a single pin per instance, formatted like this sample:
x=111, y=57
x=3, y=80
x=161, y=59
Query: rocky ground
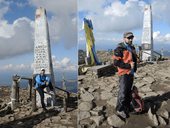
x=98, y=96
x=24, y=117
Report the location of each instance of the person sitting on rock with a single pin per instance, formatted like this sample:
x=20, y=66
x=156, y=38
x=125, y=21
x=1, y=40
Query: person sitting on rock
x=137, y=102
x=42, y=81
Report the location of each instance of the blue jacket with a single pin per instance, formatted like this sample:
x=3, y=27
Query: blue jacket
x=41, y=80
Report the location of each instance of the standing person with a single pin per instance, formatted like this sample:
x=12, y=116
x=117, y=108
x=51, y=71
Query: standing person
x=125, y=59
x=42, y=81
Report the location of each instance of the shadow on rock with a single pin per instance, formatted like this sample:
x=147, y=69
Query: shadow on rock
x=155, y=102
x=72, y=103
x=29, y=122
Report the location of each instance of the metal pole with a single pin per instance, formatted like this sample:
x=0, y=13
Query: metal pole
x=30, y=89
x=34, y=108
x=13, y=93
x=65, y=96
x=34, y=100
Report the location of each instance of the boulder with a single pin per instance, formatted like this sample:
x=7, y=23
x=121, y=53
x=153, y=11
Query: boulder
x=105, y=95
x=85, y=106
x=83, y=115
x=161, y=121
x=86, y=96
x=112, y=101
x=115, y=121
x=97, y=119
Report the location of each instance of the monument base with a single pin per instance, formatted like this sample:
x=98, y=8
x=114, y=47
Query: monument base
x=103, y=70
x=49, y=99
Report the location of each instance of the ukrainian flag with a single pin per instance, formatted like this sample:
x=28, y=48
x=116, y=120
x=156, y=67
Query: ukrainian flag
x=88, y=27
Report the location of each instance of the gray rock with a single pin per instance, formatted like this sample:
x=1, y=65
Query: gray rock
x=112, y=101
x=145, y=89
x=153, y=118
x=164, y=113
x=98, y=108
x=95, y=113
x=96, y=95
x=56, y=118
x=11, y=118
x=62, y=126
x=140, y=84
x=149, y=79
x=164, y=103
x=83, y=115
x=86, y=96
x=86, y=122
x=108, y=87
x=96, y=86
x=148, y=127
x=161, y=121
x=85, y=106
x=160, y=92
x=65, y=121
x=115, y=121
x=97, y=119
x=148, y=94
x=105, y=95
x=91, y=89
x=93, y=125
x=155, y=121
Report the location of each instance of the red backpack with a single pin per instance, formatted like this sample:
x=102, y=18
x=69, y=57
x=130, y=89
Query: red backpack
x=137, y=102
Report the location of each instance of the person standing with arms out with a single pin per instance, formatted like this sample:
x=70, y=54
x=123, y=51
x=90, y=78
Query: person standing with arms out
x=42, y=81
x=125, y=59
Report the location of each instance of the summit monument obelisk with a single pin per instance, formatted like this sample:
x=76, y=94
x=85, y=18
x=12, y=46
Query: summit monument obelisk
x=42, y=49
x=147, y=37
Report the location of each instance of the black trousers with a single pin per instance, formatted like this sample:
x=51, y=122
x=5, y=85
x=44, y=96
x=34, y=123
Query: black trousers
x=41, y=93
x=125, y=93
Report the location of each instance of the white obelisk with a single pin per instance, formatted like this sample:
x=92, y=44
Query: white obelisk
x=147, y=37
x=42, y=49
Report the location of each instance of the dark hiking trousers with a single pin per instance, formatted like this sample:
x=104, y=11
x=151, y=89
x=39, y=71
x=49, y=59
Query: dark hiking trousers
x=41, y=93
x=124, y=94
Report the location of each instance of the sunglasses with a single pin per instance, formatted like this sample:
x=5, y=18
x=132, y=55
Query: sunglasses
x=131, y=37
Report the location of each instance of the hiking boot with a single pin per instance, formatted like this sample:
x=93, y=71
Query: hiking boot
x=122, y=114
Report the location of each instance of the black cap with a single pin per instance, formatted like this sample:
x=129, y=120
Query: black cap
x=42, y=69
x=128, y=34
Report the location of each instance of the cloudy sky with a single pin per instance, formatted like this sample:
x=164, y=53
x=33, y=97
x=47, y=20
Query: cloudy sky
x=111, y=18
x=17, y=35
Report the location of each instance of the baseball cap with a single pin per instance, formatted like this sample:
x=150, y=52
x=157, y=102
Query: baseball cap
x=128, y=34
x=42, y=69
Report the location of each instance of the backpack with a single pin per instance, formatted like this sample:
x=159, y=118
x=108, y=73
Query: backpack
x=137, y=102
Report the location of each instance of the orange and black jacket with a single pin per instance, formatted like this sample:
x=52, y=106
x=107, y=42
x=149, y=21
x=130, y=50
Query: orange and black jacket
x=123, y=57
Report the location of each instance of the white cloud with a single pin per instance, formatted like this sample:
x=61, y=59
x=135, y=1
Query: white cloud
x=16, y=38
x=159, y=38
x=65, y=61
x=17, y=67
x=64, y=64
x=117, y=17
x=4, y=7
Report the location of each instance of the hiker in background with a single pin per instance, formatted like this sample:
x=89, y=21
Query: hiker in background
x=125, y=59
x=42, y=81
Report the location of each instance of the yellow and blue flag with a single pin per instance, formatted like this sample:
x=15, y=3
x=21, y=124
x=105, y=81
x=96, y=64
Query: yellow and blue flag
x=88, y=27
